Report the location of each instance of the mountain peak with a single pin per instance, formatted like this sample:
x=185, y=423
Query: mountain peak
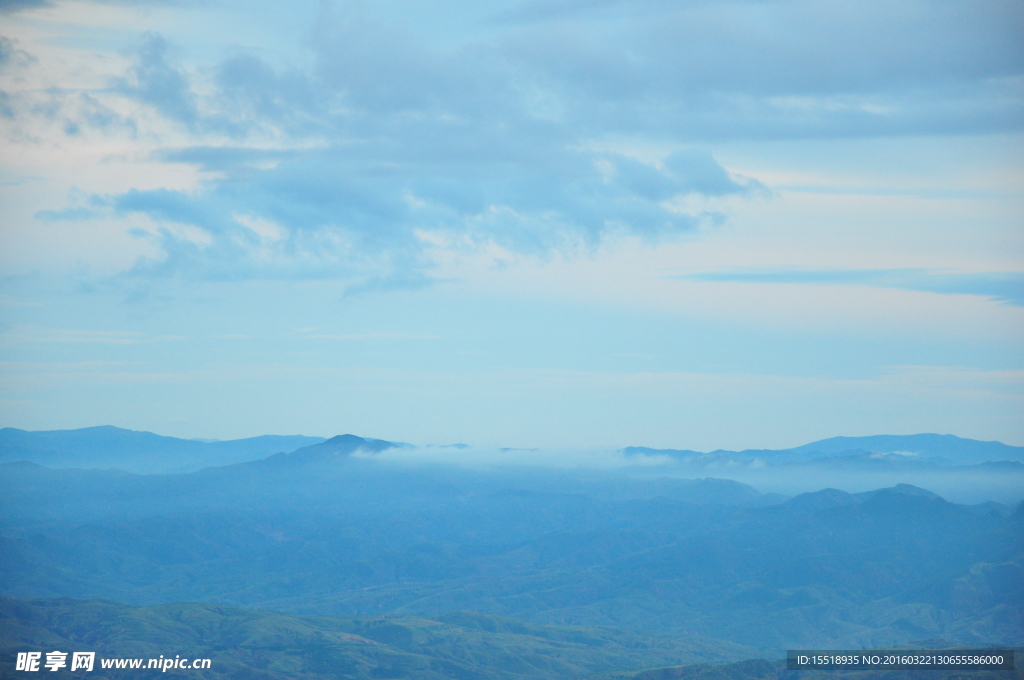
x=902, y=490
x=342, y=445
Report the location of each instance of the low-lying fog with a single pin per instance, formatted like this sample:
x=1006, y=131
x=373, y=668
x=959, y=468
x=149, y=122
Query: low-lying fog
x=1002, y=482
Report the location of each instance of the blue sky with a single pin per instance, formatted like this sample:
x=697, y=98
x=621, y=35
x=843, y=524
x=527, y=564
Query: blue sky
x=542, y=223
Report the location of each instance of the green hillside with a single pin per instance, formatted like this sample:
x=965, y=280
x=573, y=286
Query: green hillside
x=246, y=643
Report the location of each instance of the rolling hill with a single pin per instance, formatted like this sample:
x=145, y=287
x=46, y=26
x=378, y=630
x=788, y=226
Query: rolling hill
x=272, y=646
x=142, y=452
x=324, y=532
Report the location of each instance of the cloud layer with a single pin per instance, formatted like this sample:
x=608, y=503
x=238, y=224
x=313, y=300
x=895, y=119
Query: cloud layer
x=535, y=139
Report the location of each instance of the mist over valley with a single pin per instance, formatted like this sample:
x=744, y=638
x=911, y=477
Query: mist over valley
x=623, y=540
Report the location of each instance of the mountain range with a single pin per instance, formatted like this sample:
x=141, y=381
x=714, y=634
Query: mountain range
x=961, y=470
x=336, y=529
x=358, y=558
x=145, y=452
x=942, y=449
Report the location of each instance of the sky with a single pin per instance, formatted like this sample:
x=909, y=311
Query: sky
x=540, y=223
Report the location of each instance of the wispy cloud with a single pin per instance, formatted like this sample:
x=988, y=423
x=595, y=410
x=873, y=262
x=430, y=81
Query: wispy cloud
x=33, y=335
x=1005, y=287
x=343, y=213
x=71, y=214
x=379, y=335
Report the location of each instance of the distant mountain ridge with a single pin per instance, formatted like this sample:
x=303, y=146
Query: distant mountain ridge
x=106, y=446
x=943, y=449
x=342, y=445
x=148, y=453
x=834, y=498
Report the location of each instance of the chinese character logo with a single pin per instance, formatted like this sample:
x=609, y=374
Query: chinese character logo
x=55, y=660
x=82, y=661
x=28, y=661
